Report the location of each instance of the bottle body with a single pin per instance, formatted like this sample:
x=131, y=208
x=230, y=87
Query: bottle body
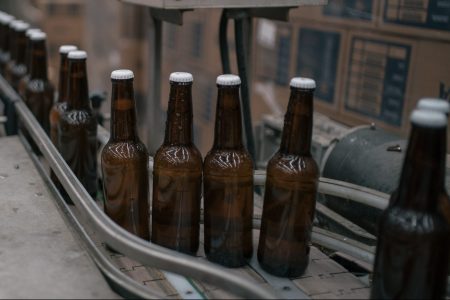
x=177, y=174
x=16, y=68
x=413, y=242
x=288, y=214
x=39, y=94
x=228, y=207
x=77, y=130
x=125, y=184
x=228, y=183
x=177, y=183
x=124, y=162
x=78, y=146
x=409, y=262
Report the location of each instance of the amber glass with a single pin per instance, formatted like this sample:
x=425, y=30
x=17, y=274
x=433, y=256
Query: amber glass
x=4, y=47
x=290, y=193
x=228, y=186
x=177, y=178
x=26, y=78
x=16, y=67
x=39, y=91
x=61, y=102
x=412, y=251
x=77, y=130
x=125, y=165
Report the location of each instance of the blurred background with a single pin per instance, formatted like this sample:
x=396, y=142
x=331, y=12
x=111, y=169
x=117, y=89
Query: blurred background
x=372, y=60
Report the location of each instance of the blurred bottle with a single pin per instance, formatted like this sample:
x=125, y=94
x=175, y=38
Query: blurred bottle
x=125, y=162
x=413, y=243
x=24, y=81
x=62, y=98
x=290, y=192
x=228, y=183
x=177, y=175
x=77, y=130
x=16, y=67
x=5, y=21
x=39, y=92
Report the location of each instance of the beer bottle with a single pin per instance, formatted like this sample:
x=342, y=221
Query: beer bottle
x=177, y=174
x=412, y=249
x=5, y=20
x=290, y=191
x=124, y=162
x=61, y=103
x=77, y=130
x=39, y=91
x=16, y=67
x=24, y=80
x=228, y=183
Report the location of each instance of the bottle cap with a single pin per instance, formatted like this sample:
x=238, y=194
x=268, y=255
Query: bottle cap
x=303, y=83
x=21, y=26
x=5, y=19
x=228, y=79
x=38, y=36
x=65, y=49
x=181, y=77
x=434, y=104
x=30, y=31
x=428, y=118
x=122, y=74
x=77, y=54
x=14, y=23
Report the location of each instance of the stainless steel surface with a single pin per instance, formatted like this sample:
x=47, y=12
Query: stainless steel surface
x=40, y=256
x=120, y=239
x=191, y=4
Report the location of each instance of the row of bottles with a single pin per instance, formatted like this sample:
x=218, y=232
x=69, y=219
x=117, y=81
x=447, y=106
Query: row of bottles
x=227, y=173
x=412, y=251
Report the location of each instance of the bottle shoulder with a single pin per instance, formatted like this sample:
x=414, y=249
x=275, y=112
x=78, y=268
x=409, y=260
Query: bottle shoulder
x=399, y=222
x=178, y=156
x=78, y=117
x=34, y=86
x=292, y=165
x=119, y=151
x=219, y=161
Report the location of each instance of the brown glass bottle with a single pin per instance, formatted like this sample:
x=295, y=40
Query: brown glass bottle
x=39, y=92
x=412, y=250
x=26, y=78
x=77, y=130
x=228, y=183
x=177, y=175
x=5, y=20
x=61, y=101
x=290, y=191
x=125, y=162
x=16, y=67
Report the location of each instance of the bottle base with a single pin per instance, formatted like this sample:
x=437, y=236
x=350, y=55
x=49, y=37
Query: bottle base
x=284, y=270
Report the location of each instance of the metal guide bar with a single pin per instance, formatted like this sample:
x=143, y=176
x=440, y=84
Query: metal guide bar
x=118, y=238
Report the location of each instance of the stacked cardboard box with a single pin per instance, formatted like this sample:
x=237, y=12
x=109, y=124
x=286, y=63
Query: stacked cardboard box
x=372, y=60
x=65, y=23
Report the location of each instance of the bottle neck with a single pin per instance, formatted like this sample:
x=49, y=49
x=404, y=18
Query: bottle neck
x=179, y=115
x=4, y=45
x=123, y=113
x=20, y=48
x=228, y=127
x=12, y=35
x=423, y=173
x=38, y=60
x=298, y=123
x=78, y=94
x=63, y=78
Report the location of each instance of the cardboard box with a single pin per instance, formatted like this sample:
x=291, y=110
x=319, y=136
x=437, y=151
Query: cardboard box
x=387, y=75
x=378, y=70
x=347, y=13
x=427, y=19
